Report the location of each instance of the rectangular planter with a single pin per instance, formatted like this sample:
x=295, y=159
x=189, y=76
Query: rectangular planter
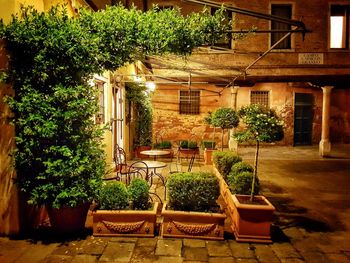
x=200, y=225
x=249, y=222
x=252, y=222
x=136, y=223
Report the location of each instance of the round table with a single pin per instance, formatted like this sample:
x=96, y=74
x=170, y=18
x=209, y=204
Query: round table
x=153, y=166
x=155, y=153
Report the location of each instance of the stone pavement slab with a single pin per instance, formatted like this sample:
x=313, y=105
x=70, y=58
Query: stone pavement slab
x=169, y=247
x=218, y=249
x=195, y=253
x=117, y=252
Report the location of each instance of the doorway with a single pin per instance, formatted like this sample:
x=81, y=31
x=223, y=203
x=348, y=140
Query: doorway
x=303, y=118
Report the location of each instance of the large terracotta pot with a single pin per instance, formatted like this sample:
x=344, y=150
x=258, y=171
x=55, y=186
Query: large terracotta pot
x=137, y=223
x=192, y=224
x=208, y=156
x=252, y=222
x=68, y=219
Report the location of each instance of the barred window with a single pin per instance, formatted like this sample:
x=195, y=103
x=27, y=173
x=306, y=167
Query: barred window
x=259, y=97
x=189, y=102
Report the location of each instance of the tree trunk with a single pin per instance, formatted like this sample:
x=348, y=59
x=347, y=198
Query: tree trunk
x=255, y=170
x=222, y=139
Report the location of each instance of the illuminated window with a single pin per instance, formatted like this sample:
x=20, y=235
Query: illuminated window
x=189, y=102
x=259, y=97
x=284, y=11
x=339, y=31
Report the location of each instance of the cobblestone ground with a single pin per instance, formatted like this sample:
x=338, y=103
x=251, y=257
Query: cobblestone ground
x=311, y=225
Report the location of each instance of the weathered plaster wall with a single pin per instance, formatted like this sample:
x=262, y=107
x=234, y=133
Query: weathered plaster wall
x=168, y=124
x=340, y=116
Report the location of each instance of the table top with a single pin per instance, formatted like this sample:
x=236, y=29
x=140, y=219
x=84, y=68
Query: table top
x=155, y=152
x=151, y=164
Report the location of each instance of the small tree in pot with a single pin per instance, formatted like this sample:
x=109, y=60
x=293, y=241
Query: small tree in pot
x=225, y=118
x=261, y=125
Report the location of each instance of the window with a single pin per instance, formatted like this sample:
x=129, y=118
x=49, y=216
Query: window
x=100, y=116
x=259, y=97
x=284, y=11
x=189, y=101
x=339, y=26
x=224, y=42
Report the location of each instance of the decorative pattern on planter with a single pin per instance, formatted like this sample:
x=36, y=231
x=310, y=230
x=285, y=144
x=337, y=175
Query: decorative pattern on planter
x=194, y=229
x=123, y=227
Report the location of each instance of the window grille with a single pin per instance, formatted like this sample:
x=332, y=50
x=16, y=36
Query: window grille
x=259, y=97
x=284, y=11
x=189, y=102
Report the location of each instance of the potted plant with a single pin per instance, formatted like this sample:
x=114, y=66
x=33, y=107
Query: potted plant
x=253, y=214
x=191, y=211
x=209, y=147
x=124, y=211
x=225, y=118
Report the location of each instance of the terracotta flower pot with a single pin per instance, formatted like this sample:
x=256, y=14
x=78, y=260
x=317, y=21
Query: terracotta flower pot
x=252, y=222
x=208, y=156
x=192, y=224
x=68, y=219
x=138, y=223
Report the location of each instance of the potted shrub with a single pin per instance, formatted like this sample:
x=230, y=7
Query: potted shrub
x=192, y=211
x=124, y=211
x=253, y=214
x=209, y=147
x=164, y=145
x=225, y=118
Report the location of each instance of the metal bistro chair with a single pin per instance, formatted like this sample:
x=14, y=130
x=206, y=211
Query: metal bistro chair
x=121, y=167
x=139, y=169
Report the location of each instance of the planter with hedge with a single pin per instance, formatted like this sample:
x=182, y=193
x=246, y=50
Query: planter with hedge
x=124, y=211
x=192, y=211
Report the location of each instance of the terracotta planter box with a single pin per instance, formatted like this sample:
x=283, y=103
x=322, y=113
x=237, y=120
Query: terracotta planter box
x=249, y=222
x=192, y=224
x=208, y=156
x=137, y=223
x=252, y=222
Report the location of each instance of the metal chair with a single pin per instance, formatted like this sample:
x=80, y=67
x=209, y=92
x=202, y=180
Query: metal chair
x=138, y=169
x=121, y=166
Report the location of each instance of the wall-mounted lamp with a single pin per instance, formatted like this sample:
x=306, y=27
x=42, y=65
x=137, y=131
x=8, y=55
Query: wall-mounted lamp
x=151, y=86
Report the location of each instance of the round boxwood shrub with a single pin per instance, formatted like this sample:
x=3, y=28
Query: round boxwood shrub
x=240, y=167
x=224, y=162
x=242, y=184
x=139, y=194
x=113, y=196
x=189, y=191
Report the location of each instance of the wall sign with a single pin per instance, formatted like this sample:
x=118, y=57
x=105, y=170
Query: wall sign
x=310, y=58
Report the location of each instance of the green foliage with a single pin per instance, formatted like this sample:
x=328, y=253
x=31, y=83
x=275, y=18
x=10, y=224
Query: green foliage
x=113, y=196
x=208, y=144
x=59, y=158
x=225, y=118
x=184, y=144
x=240, y=167
x=162, y=145
x=261, y=124
x=241, y=183
x=224, y=162
x=192, y=145
x=139, y=194
x=136, y=93
x=190, y=191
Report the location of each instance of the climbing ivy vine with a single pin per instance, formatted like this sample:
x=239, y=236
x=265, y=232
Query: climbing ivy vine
x=59, y=157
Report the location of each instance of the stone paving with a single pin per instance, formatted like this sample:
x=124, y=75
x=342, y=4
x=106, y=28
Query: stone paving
x=302, y=232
